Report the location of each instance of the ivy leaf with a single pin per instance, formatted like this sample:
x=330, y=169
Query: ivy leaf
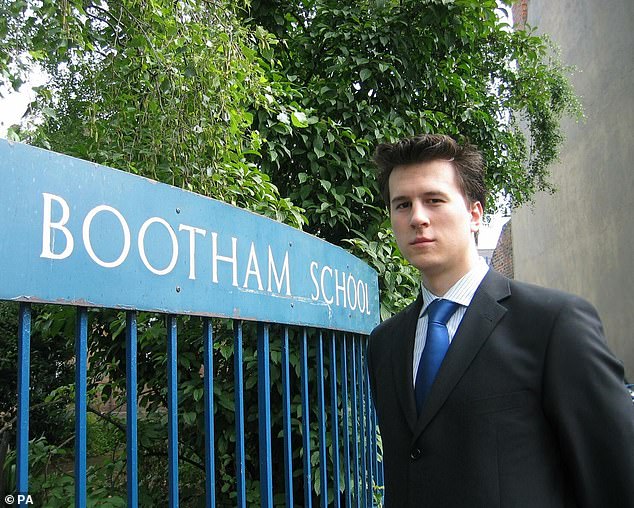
x=298, y=118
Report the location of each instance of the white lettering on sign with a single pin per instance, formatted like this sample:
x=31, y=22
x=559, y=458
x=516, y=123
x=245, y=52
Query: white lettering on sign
x=323, y=291
x=253, y=268
x=233, y=259
x=279, y=280
x=88, y=244
x=47, y=225
x=331, y=285
x=192, y=246
x=340, y=288
x=141, y=244
x=354, y=293
x=363, y=296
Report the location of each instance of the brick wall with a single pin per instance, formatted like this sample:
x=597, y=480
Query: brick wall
x=520, y=14
x=502, y=260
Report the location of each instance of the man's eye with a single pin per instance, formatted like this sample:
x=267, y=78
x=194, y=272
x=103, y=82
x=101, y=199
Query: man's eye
x=401, y=206
x=435, y=201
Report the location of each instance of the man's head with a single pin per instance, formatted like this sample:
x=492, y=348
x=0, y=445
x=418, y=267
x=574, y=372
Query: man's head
x=466, y=159
x=435, y=191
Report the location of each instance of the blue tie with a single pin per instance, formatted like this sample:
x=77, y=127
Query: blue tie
x=436, y=345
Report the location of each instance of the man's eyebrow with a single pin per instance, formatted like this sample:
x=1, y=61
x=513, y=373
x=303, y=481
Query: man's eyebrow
x=427, y=194
x=435, y=193
x=398, y=199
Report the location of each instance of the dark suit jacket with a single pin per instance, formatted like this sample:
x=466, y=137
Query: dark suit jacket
x=529, y=408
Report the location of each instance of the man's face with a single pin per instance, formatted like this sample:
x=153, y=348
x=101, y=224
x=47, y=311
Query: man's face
x=432, y=221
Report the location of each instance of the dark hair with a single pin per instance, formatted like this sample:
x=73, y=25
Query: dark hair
x=466, y=158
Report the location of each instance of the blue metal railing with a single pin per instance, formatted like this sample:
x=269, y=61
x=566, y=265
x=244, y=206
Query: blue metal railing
x=210, y=465
x=81, y=406
x=131, y=410
x=347, y=474
x=24, y=358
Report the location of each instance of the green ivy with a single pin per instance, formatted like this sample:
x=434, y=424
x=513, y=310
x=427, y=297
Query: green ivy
x=371, y=71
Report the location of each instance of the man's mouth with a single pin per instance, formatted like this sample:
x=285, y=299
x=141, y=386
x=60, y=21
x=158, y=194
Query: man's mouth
x=420, y=240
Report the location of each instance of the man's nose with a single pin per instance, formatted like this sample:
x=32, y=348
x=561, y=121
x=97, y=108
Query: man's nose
x=419, y=216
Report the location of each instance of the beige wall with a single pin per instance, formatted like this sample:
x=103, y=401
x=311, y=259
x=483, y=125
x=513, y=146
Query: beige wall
x=581, y=239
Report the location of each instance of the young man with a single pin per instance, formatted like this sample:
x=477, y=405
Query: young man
x=507, y=397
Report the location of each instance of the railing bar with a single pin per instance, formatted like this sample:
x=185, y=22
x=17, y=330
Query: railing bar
x=172, y=411
x=286, y=402
x=372, y=426
x=374, y=430
x=355, y=416
x=210, y=459
x=24, y=367
x=346, y=419
x=334, y=419
x=131, y=410
x=379, y=463
x=323, y=452
x=308, y=481
x=81, y=358
x=362, y=413
x=239, y=410
x=370, y=445
x=264, y=408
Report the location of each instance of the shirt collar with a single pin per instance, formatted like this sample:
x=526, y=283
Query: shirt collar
x=462, y=291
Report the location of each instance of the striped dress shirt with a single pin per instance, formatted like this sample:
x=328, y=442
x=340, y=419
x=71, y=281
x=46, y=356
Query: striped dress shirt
x=462, y=293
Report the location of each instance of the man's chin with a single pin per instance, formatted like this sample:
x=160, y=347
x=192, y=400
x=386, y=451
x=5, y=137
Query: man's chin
x=426, y=265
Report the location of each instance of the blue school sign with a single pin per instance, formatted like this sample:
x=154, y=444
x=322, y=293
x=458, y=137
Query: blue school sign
x=73, y=232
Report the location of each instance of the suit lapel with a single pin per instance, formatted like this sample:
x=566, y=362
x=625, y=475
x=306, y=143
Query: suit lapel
x=481, y=318
x=402, y=360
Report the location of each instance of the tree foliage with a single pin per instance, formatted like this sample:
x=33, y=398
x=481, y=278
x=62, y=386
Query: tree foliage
x=274, y=106
x=377, y=70
x=162, y=89
x=373, y=71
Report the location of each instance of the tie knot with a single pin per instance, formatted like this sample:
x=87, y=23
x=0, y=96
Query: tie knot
x=439, y=311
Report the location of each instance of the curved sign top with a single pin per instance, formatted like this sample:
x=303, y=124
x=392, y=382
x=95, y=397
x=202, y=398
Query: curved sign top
x=79, y=233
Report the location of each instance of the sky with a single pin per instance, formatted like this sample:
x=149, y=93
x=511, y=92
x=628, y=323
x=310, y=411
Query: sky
x=489, y=234
x=11, y=109
x=13, y=105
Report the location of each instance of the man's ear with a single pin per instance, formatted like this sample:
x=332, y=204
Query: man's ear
x=477, y=213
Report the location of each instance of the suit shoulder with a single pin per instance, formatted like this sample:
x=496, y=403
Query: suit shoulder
x=543, y=297
x=396, y=319
x=526, y=299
